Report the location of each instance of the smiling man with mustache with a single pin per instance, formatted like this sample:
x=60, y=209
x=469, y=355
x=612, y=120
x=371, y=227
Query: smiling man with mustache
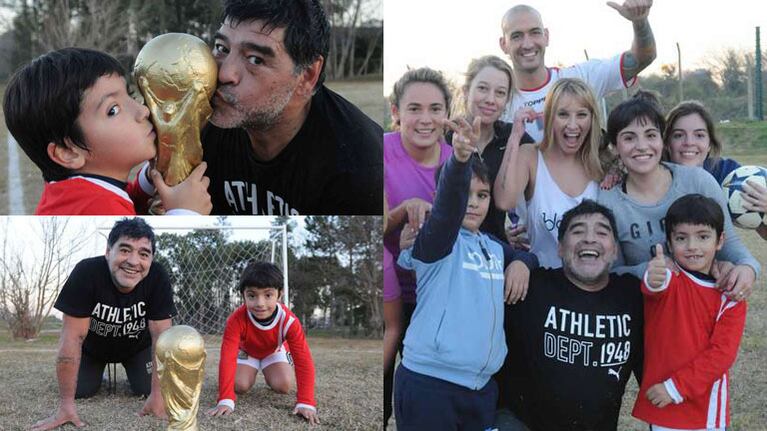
x=577, y=335
x=279, y=142
x=115, y=307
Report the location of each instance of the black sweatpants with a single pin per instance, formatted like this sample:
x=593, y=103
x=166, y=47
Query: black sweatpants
x=138, y=368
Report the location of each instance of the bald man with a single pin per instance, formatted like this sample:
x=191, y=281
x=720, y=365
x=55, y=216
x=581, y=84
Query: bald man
x=525, y=40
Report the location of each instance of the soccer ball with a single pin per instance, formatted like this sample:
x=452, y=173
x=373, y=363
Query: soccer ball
x=732, y=185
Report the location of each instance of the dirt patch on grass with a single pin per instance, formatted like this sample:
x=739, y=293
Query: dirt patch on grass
x=348, y=392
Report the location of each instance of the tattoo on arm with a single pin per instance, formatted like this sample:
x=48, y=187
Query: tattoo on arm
x=642, y=51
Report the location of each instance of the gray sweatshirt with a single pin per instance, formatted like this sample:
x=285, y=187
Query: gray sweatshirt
x=641, y=226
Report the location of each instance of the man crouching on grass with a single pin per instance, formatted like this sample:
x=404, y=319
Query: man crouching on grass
x=115, y=307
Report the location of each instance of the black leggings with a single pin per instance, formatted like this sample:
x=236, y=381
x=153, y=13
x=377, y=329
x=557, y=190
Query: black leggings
x=138, y=368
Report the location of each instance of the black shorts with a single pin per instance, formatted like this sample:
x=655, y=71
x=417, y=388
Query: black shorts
x=138, y=368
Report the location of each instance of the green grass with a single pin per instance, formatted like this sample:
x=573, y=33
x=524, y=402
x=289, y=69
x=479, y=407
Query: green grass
x=743, y=137
x=366, y=94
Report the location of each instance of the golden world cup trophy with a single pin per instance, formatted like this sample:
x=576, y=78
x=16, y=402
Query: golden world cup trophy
x=180, y=355
x=177, y=75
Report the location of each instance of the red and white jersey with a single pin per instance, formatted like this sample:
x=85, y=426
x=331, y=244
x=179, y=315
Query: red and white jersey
x=243, y=332
x=692, y=335
x=81, y=195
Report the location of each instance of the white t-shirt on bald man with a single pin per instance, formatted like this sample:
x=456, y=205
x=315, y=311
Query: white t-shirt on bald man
x=604, y=77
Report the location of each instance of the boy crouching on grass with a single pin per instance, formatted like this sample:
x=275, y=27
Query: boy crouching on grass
x=692, y=329
x=455, y=341
x=71, y=113
x=254, y=339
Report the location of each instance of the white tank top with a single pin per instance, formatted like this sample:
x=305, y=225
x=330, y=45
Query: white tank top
x=544, y=214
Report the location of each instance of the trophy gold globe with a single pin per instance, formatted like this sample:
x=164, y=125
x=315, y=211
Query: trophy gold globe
x=176, y=74
x=180, y=356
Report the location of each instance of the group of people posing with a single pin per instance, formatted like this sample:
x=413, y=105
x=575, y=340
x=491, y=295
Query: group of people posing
x=658, y=291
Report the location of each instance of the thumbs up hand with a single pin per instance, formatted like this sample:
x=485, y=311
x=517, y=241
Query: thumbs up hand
x=656, y=268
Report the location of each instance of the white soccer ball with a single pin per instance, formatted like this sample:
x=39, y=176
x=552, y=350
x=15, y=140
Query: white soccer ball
x=732, y=186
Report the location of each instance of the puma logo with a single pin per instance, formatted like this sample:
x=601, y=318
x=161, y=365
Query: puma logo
x=617, y=374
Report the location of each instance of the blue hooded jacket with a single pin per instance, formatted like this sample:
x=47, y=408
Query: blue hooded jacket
x=456, y=332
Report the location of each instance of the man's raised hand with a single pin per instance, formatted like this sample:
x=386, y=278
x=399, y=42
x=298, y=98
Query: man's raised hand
x=632, y=10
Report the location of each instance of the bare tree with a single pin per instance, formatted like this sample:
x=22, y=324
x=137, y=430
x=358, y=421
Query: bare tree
x=95, y=24
x=32, y=272
x=355, y=243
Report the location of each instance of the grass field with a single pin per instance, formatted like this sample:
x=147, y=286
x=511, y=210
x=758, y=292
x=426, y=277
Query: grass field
x=367, y=94
x=348, y=391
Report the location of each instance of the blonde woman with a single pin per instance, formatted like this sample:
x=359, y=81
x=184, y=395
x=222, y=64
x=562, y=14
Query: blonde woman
x=556, y=174
x=486, y=91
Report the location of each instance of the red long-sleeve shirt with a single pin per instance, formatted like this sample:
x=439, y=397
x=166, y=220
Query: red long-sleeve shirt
x=692, y=335
x=91, y=196
x=242, y=332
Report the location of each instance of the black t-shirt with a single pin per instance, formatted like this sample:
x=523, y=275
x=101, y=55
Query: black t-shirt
x=118, y=326
x=334, y=165
x=571, y=352
x=492, y=156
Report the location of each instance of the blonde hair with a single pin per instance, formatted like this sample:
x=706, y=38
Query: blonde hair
x=475, y=66
x=589, y=150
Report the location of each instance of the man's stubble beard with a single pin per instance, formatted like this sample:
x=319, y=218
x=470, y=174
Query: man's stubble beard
x=585, y=279
x=257, y=118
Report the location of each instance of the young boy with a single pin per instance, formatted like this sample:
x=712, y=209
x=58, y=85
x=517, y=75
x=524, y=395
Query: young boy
x=254, y=339
x=71, y=113
x=692, y=329
x=455, y=341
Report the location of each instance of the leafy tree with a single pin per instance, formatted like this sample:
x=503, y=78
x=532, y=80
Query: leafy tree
x=356, y=242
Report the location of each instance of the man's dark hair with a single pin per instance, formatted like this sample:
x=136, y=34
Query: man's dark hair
x=643, y=106
x=587, y=206
x=478, y=169
x=134, y=228
x=694, y=209
x=261, y=275
x=307, y=31
x=44, y=98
